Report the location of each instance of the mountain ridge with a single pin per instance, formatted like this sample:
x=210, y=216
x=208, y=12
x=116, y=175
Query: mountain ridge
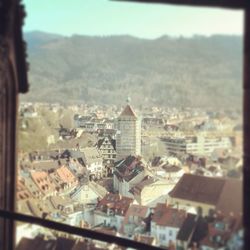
x=198, y=71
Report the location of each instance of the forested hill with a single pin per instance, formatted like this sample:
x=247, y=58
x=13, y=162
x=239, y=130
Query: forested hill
x=198, y=71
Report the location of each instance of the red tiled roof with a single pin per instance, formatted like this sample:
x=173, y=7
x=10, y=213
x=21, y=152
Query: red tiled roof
x=198, y=189
x=224, y=194
x=119, y=204
x=128, y=111
x=21, y=191
x=167, y=216
x=65, y=174
x=138, y=213
x=43, y=181
x=136, y=210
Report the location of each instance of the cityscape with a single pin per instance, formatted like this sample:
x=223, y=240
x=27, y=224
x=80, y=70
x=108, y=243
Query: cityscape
x=132, y=126
x=167, y=177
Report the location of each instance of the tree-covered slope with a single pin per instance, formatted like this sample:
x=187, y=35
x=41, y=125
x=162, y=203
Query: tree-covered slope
x=197, y=71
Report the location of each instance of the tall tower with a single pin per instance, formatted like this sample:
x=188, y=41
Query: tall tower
x=129, y=133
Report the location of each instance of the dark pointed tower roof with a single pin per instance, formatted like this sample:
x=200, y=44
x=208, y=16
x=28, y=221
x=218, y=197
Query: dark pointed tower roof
x=128, y=111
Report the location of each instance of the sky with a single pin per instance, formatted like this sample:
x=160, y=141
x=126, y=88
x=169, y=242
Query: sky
x=104, y=17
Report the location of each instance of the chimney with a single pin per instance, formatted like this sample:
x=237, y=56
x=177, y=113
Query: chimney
x=166, y=203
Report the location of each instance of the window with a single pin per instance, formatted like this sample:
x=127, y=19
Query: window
x=11, y=144
x=162, y=237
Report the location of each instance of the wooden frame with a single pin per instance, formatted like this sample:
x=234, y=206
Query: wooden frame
x=13, y=80
x=232, y=4
x=246, y=121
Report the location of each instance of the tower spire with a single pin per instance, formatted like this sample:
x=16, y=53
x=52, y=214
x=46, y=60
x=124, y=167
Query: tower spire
x=128, y=110
x=128, y=100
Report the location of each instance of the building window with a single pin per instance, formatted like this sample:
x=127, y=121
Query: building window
x=162, y=237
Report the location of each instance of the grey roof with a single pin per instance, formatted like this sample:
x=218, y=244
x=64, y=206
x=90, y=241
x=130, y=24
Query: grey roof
x=129, y=168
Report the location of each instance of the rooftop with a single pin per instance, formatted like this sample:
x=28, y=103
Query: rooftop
x=147, y=180
x=167, y=216
x=65, y=174
x=129, y=168
x=128, y=111
x=224, y=194
x=119, y=204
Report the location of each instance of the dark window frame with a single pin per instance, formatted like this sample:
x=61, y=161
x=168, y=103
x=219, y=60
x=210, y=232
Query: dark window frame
x=13, y=80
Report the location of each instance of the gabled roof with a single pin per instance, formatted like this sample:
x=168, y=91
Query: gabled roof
x=198, y=189
x=137, y=211
x=118, y=203
x=146, y=181
x=129, y=168
x=97, y=189
x=43, y=181
x=224, y=194
x=22, y=190
x=128, y=111
x=108, y=137
x=167, y=216
x=65, y=174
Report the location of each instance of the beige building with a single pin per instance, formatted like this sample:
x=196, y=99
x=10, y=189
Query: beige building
x=151, y=191
x=129, y=134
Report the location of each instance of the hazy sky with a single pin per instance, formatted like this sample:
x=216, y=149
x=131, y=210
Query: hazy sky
x=103, y=17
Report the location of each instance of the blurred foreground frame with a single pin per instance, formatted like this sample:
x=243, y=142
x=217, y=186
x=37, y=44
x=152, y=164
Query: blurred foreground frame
x=13, y=80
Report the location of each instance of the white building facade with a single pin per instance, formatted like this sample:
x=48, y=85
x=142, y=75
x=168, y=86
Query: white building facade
x=197, y=145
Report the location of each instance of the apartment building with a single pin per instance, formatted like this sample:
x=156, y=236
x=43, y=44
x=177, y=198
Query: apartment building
x=197, y=145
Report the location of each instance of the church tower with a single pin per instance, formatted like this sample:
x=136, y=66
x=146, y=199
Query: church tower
x=129, y=133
